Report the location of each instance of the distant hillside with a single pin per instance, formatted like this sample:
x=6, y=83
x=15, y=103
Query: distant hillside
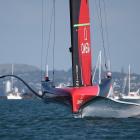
x=32, y=75
x=18, y=68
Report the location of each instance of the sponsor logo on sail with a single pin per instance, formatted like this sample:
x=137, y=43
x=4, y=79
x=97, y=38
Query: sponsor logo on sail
x=85, y=49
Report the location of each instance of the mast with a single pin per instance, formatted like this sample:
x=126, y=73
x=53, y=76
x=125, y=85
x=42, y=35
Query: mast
x=47, y=73
x=80, y=43
x=12, y=79
x=129, y=79
x=100, y=66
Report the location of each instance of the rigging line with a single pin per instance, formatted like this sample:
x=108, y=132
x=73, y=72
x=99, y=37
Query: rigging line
x=98, y=15
x=49, y=38
x=44, y=27
x=45, y=23
x=102, y=34
x=54, y=39
x=106, y=30
x=42, y=46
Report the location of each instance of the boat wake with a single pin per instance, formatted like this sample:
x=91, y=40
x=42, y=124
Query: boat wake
x=108, y=108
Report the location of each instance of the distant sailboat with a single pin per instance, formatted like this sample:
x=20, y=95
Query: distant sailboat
x=12, y=92
x=131, y=96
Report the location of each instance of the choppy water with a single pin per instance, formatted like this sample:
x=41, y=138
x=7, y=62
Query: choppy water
x=35, y=120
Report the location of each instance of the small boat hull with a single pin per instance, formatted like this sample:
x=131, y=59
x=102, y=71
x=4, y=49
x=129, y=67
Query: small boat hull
x=14, y=97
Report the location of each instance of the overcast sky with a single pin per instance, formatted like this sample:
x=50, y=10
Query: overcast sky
x=21, y=33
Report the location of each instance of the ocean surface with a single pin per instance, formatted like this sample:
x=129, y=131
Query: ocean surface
x=35, y=120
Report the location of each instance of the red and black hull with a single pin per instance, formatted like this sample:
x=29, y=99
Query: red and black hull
x=92, y=105
x=74, y=97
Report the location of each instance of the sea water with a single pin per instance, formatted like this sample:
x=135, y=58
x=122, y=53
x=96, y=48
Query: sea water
x=35, y=120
